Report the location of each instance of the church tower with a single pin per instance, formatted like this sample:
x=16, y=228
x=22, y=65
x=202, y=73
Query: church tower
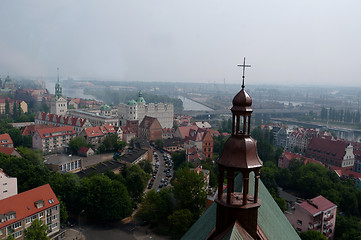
x=58, y=88
x=58, y=104
x=239, y=156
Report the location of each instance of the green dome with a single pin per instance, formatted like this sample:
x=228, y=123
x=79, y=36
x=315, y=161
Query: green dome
x=140, y=98
x=105, y=107
x=132, y=102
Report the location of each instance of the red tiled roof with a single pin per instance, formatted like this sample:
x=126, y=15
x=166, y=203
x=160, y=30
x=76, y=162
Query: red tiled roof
x=184, y=131
x=322, y=204
x=109, y=128
x=7, y=137
x=336, y=148
x=94, y=131
x=31, y=129
x=67, y=120
x=127, y=130
x=23, y=203
x=83, y=150
x=65, y=130
x=341, y=172
x=290, y=156
x=6, y=150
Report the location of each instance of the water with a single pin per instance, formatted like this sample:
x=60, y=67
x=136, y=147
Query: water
x=191, y=105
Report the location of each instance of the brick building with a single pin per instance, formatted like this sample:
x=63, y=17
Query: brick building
x=150, y=129
x=331, y=152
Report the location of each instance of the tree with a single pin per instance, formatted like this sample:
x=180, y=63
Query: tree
x=63, y=213
x=189, y=191
x=312, y=235
x=180, y=221
x=7, y=107
x=103, y=199
x=76, y=143
x=159, y=143
x=37, y=231
x=136, y=181
x=146, y=166
x=178, y=158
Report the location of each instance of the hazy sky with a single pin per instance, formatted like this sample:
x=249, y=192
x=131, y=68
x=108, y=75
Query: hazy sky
x=289, y=41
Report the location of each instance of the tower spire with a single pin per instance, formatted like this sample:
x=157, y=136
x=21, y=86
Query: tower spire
x=57, y=69
x=244, y=70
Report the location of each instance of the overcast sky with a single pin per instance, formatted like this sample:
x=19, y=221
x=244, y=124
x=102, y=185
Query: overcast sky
x=288, y=41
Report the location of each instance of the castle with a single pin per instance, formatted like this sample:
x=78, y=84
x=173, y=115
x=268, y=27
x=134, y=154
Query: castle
x=137, y=110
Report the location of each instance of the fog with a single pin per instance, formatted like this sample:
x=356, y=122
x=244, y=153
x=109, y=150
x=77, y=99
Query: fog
x=286, y=42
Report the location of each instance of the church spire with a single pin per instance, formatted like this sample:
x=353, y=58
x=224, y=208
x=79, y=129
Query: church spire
x=239, y=156
x=58, y=88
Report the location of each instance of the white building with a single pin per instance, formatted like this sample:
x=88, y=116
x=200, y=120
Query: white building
x=58, y=104
x=137, y=110
x=8, y=185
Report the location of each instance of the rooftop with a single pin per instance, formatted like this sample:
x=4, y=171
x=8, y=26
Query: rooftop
x=23, y=204
x=317, y=205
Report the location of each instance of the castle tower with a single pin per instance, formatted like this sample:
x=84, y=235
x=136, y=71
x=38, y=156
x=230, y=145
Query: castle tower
x=239, y=156
x=58, y=104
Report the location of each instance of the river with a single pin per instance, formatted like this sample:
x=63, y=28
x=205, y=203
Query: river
x=191, y=105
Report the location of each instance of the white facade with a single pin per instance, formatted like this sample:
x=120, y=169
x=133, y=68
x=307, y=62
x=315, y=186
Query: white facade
x=137, y=110
x=9, y=185
x=349, y=158
x=59, y=106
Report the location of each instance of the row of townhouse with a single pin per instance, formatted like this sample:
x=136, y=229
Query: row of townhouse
x=19, y=211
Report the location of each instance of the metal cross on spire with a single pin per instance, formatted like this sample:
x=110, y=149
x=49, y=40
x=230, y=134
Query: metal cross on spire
x=244, y=69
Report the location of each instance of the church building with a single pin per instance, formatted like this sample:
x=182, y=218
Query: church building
x=245, y=210
x=58, y=104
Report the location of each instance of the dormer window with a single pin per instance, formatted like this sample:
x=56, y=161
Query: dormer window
x=10, y=215
x=39, y=204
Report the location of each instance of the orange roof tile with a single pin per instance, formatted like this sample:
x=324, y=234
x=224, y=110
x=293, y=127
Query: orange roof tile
x=23, y=203
x=56, y=131
x=6, y=150
x=5, y=137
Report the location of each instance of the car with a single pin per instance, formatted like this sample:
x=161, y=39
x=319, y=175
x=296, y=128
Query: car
x=162, y=180
x=160, y=185
x=149, y=186
x=154, y=176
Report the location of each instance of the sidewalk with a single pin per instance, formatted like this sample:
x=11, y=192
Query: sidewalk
x=73, y=234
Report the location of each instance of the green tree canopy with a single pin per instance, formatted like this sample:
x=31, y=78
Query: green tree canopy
x=189, y=191
x=180, y=221
x=76, y=143
x=312, y=235
x=136, y=181
x=104, y=199
x=37, y=231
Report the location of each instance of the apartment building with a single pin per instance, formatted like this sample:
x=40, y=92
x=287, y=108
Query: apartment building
x=53, y=140
x=8, y=185
x=19, y=211
x=317, y=214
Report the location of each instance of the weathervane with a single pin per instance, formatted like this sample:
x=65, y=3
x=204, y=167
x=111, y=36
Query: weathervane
x=244, y=69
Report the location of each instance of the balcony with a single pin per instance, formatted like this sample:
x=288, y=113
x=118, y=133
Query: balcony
x=328, y=218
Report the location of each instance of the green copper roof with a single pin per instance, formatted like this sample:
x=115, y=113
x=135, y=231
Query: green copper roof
x=140, y=98
x=271, y=219
x=105, y=107
x=132, y=102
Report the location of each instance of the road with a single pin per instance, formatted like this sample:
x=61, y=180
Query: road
x=160, y=174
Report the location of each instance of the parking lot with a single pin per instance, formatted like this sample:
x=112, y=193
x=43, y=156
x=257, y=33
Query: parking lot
x=162, y=170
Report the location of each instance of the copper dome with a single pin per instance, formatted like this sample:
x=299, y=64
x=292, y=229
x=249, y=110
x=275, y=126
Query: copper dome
x=242, y=101
x=240, y=153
